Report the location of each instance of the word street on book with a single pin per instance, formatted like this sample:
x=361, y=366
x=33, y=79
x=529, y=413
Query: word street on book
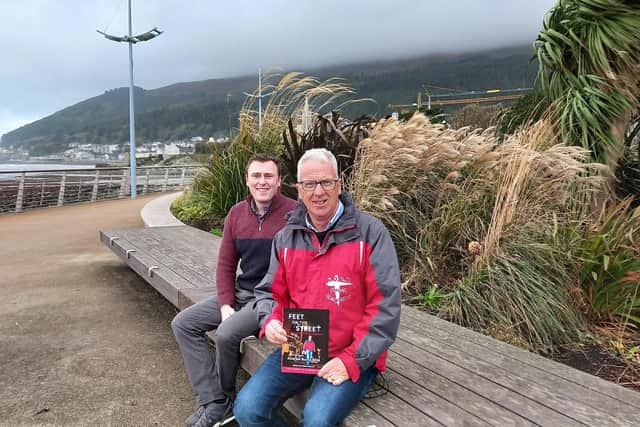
x=307, y=346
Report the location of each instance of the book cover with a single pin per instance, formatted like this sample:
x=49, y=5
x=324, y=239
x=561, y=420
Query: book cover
x=307, y=346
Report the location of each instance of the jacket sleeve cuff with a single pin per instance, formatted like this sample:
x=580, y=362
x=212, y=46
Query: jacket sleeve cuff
x=352, y=367
x=263, y=327
x=224, y=299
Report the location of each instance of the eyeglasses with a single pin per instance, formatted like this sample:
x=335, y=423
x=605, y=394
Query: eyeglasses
x=326, y=184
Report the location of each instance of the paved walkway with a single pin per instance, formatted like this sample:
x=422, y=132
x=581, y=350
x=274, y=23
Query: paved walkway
x=83, y=340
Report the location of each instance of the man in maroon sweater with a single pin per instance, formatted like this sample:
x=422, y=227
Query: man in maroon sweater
x=247, y=235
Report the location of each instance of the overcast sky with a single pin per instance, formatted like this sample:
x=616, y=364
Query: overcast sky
x=52, y=57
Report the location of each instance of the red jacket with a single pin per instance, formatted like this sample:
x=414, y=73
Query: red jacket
x=354, y=274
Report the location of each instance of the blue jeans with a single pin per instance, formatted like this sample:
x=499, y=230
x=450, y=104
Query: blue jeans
x=258, y=402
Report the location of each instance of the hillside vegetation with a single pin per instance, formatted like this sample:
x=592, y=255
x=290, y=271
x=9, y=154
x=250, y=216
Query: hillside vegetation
x=203, y=108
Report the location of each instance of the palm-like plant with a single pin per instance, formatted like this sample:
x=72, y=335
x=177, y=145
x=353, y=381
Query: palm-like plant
x=330, y=131
x=589, y=56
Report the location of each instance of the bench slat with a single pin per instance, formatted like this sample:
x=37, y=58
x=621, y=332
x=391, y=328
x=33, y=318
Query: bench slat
x=477, y=344
x=548, y=403
x=461, y=398
x=193, y=263
x=162, y=279
x=430, y=406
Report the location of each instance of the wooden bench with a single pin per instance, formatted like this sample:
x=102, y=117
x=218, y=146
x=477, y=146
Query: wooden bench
x=438, y=373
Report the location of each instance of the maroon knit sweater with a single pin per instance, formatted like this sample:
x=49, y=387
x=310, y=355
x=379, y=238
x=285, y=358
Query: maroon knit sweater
x=244, y=239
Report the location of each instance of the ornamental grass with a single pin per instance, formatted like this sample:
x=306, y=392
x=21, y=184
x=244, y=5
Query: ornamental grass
x=288, y=96
x=483, y=222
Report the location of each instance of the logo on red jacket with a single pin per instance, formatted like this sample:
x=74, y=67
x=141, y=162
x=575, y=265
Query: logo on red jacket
x=338, y=289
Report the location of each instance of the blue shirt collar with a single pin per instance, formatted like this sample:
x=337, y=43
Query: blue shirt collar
x=333, y=221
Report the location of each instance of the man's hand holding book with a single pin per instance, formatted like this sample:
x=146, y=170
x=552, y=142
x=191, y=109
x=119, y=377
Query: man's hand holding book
x=275, y=333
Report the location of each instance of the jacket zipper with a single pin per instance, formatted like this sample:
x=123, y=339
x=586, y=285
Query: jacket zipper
x=321, y=246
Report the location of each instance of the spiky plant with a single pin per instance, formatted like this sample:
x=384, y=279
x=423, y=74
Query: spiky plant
x=589, y=56
x=330, y=131
x=303, y=112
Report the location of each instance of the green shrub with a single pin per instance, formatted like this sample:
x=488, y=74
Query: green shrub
x=588, y=54
x=188, y=207
x=433, y=297
x=523, y=287
x=610, y=270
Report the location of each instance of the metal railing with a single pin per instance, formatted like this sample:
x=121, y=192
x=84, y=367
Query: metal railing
x=28, y=189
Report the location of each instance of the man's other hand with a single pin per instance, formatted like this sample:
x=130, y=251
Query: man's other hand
x=334, y=371
x=225, y=311
x=275, y=333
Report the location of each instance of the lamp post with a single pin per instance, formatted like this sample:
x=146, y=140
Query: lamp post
x=131, y=39
x=260, y=95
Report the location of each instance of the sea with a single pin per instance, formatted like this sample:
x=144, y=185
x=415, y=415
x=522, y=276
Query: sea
x=10, y=170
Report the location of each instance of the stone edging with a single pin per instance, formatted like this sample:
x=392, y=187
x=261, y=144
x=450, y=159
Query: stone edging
x=157, y=212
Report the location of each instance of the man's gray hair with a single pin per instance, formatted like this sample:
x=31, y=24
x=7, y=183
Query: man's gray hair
x=318, y=154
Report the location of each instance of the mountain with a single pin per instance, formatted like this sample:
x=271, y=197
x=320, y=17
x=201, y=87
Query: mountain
x=203, y=108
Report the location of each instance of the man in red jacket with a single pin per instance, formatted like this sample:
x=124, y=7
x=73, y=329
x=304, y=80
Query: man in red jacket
x=247, y=235
x=329, y=256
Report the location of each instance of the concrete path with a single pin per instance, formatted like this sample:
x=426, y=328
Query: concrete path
x=156, y=213
x=83, y=340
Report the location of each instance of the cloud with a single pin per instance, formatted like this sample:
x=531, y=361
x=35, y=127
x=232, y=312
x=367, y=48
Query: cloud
x=52, y=56
x=9, y=121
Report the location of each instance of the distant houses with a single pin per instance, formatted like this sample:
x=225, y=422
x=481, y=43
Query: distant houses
x=147, y=150
x=155, y=149
x=90, y=152
x=13, y=153
x=76, y=151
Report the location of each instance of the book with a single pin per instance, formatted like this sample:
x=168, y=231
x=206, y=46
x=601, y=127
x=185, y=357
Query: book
x=307, y=346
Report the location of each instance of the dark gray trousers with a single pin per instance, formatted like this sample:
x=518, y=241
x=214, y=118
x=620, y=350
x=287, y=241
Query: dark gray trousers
x=211, y=379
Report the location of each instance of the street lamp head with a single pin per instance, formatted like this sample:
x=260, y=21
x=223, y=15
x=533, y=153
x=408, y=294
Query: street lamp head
x=151, y=34
x=113, y=38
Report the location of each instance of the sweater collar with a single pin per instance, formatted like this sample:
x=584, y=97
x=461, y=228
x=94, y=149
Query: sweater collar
x=275, y=203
